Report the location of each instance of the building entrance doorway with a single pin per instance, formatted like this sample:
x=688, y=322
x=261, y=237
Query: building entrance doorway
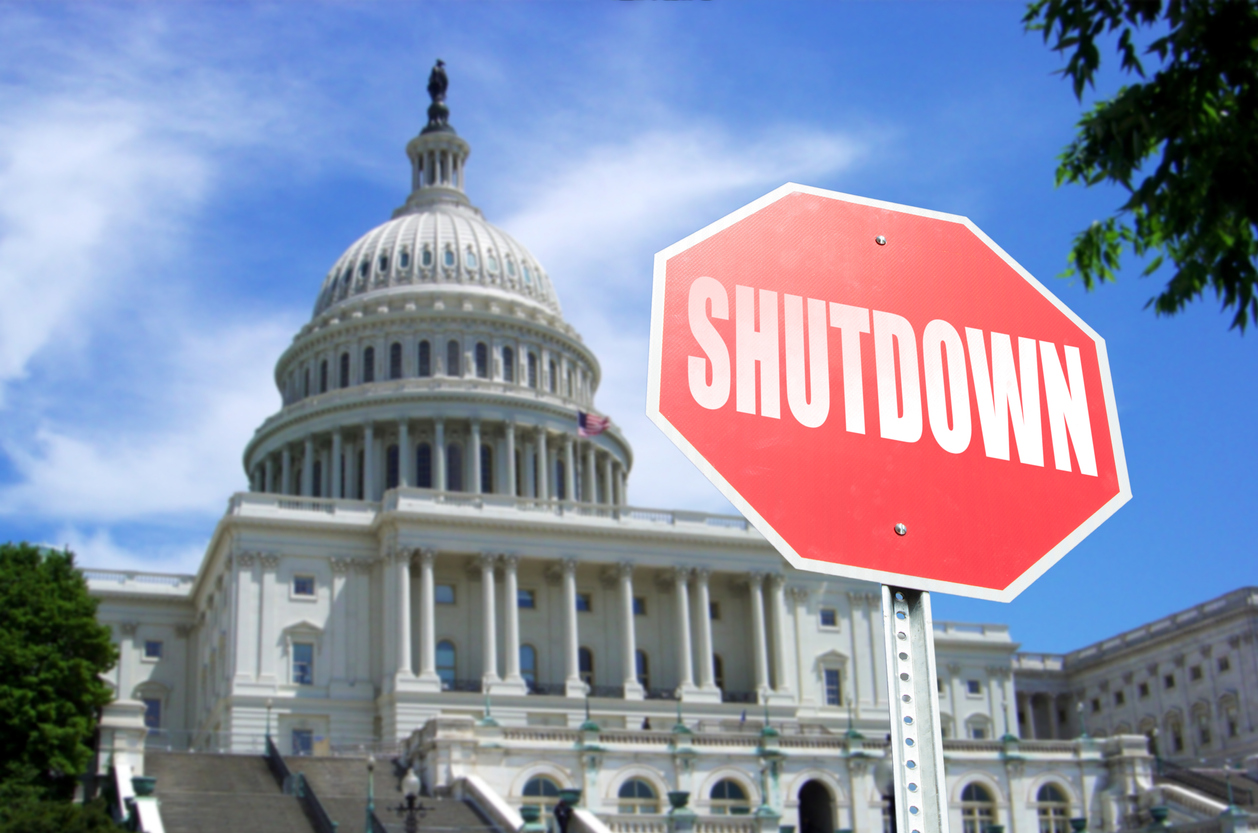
x=816, y=808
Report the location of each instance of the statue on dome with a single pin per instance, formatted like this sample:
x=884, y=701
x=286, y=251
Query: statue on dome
x=438, y=112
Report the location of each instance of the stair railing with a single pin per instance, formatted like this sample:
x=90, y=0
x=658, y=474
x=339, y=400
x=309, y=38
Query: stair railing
x=298, y=785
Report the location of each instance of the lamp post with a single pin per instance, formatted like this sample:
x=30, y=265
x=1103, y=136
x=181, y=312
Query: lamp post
x=269, y=704
x=371, y=791
x=411, y=810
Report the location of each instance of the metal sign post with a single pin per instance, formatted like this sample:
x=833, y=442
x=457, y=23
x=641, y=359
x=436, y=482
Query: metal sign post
x=920, y=798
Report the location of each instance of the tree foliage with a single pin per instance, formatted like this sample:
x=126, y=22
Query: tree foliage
x=52, y=653
x=56, y=817
x=1183, y=142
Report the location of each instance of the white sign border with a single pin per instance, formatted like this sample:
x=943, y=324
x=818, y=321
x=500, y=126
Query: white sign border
x=653, y=413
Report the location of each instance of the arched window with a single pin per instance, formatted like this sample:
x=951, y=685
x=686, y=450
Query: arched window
x=644, y=669
x=728, y=798
x=561, y=485
x=404, y=259
x=426, y=257
x=445, y=663
x=454, y=467
x=978, y=810
x=482, y=360
x=452, y=358
x=1053, y=809
x=470, y=259
x=423, y=466
x=1201, y=717
x=486, y=470
x=449, y=257
x=585, y=665
x=718, y=668
x=532, y=370
x=636, y=796
x=323, y=376
x=542, y=793
x=508, y=364
x=528, y=664
x=1175, y=729
x=552, y=377
x=395, y=360
x=391, y=468
x=369, y=365
x=344, y=375
x=383, y=264
x=425, y=359
x=977, y=728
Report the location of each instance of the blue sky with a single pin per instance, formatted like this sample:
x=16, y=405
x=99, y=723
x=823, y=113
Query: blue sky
x=176, y=179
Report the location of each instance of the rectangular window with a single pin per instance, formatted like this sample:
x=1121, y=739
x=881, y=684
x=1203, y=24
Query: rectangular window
x=829, y=617
x=1168, y=681
x=1120, y=698
x=1096, y=704
x=152, y=713
x=1194, y=673
x=639, y=606
x=978, y=733
x=152, y=649
x=1143, y=690
x=974, y=687
x=939, y=683
x=584, y=604
x=527, y=599
x=714, y=610
x=303, y=585
x=303, y=663
x=1225, y=664
x=834, y=694
x=443, y=594
x=303, y=741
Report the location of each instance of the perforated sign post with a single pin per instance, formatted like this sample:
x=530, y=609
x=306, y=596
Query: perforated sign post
x=887, y=395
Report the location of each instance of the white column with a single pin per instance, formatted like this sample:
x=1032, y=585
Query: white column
x=489, y=632
x=543, y=483
x=624, y=486
x=777, y=611
x=404, y=455
x=307, y=467
x=268, y=636
x=439, y=455
x=402, y=576
x=755, y=582
x=475, y=455
x=703, y=611
x=339, y=626
x=427, y=622
x=573, y=687
x=338, y=452
x=607, y=481
x=511, y=630
x=681, y=588
x=369, y=462
x=591, y=472
x=286, y=471
x=633, y=689
x=511, y=475
x=569, y=467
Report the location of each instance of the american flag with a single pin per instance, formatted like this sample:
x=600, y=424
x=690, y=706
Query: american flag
x=589, y=425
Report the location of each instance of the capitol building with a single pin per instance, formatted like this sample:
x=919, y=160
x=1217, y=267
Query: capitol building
x=438, y=561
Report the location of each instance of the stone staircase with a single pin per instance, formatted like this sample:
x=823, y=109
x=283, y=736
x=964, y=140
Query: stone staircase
x=211, y=793
x=341, y=784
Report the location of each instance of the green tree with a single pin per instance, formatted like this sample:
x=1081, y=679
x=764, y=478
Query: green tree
x=56, y=817
x=52, y=653
x=1183, y=142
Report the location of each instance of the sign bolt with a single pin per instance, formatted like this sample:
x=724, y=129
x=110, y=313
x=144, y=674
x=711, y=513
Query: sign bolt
x=880, y=240
x=901, y=529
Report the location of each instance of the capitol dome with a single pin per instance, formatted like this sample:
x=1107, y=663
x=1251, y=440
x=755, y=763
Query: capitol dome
x=432, y=245
x=437, y=358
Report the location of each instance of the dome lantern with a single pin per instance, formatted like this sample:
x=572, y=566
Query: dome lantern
x=438, y=154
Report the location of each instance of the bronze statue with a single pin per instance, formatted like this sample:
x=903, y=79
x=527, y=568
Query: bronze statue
x=438, y=82
x=438, y=112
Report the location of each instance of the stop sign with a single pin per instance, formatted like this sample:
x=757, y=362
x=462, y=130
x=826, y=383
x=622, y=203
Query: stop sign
x=884, y=392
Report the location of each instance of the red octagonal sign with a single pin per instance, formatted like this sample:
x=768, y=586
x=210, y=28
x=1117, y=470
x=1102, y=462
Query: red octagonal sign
x=885, y=393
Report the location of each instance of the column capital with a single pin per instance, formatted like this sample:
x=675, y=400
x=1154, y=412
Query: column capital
x=776, y=580
x=488, y=560
x=269, y=560
x=510, y=560
x=703, y=574
x=244, y=559
x=340, y=566
x=798, y=595
x=624, y=569
x=755, y=578
x=427, y=555
x=681, y=575
x=569, y=566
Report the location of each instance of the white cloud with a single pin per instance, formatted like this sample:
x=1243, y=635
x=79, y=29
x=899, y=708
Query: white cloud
x=596, y=224
x=97, y=548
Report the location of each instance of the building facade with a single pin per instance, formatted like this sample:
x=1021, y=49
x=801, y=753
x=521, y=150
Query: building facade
x=436, y=562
